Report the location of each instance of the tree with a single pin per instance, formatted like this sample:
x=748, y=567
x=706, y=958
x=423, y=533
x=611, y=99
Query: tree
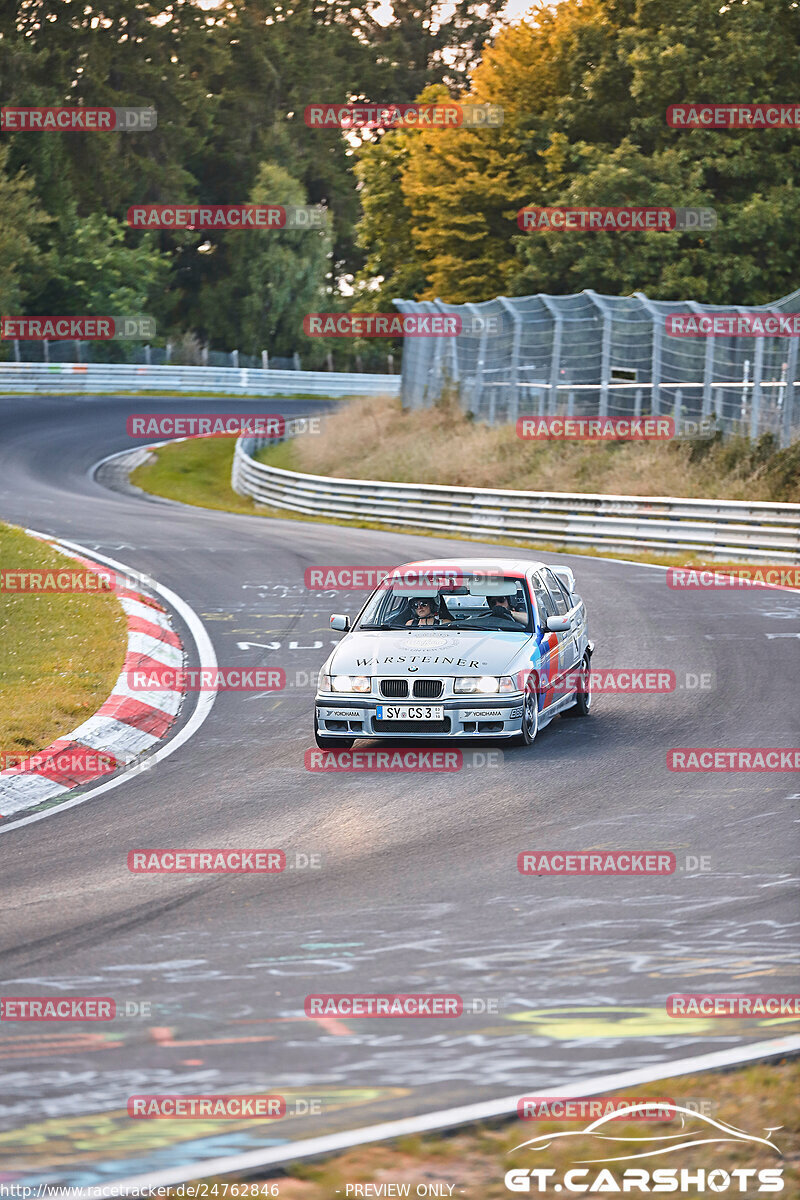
x=274, y=277
x=21, y=258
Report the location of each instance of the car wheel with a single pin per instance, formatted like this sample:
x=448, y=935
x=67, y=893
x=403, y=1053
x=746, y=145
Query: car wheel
x=583, y=701
x=331, y=743
x=530, y=712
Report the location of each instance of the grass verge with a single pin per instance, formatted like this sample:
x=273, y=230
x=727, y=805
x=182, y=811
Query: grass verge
x=60, y=654
x=378, y=439
x=198, y=472
x=473, y=1161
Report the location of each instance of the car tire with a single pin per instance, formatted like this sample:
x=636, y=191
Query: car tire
x=331, y=743
x=583, y=700
x=530, y=713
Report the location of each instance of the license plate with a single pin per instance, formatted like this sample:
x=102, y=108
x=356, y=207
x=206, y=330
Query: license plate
x=410, y=712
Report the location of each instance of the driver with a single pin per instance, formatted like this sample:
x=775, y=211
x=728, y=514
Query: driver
x=504, y=603
x=425, y=608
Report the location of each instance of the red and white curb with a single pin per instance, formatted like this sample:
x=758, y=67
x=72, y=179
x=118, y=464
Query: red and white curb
x=126, y=726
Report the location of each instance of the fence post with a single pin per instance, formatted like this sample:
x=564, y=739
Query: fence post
x=234, y=358
x=676, y=414
x=605, y=353
x=46, y=348
x=147, y=354
x=168, y=353
x=204, y=353
x=264, y=360
x=16, y=350
x=788, y=395
x=555, y=352
x=637, y=402
x=296, y=361
x=359, y=364
x=390, y=363
x=329, y=358
x=570, y=403
x=755, y=407
x=656, y=329
x=477, y=388
x=516, y=338
x=76, y=344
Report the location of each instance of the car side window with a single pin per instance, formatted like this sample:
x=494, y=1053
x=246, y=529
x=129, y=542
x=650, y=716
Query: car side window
x=556, y=593
x=544, y=601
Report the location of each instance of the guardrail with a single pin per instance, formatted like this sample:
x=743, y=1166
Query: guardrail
x=722, y=529
x=236, y=381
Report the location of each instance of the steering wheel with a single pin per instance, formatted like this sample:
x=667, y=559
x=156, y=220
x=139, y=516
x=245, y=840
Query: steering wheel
x=504, y=613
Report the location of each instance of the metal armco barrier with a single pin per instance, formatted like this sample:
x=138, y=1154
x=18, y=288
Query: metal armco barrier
x=722, y=529
x=236, y=381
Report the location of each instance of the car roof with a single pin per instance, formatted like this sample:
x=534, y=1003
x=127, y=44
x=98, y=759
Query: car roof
x=509, y=566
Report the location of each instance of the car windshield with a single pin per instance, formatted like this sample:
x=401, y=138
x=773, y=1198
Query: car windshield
x=489, y=602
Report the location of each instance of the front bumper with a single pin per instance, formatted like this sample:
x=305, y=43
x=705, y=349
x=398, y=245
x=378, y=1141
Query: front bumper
x=465, y=717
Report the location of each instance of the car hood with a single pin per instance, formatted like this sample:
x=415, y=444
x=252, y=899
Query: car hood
x=424, y=652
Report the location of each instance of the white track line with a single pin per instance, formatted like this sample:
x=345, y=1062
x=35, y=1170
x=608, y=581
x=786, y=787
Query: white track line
x=205, y=700
x=332, y=1143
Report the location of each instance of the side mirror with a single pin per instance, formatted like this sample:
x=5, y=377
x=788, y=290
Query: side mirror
x=559, y=624
x=340, y=622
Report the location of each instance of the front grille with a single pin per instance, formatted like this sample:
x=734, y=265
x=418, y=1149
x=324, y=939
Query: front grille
x=418, y=727
x=394, y=687
x=428, y=689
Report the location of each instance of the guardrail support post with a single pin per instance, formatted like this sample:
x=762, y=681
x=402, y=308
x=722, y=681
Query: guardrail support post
x=168, y=353
x=16, y=350
x=264, y=360
x=234, y=358
x=46, y=346
x=296, y=361
x=147, y=354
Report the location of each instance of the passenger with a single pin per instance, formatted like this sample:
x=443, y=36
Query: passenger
x=425, y=609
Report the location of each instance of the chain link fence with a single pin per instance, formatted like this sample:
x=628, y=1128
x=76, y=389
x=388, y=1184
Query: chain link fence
x=593, y=355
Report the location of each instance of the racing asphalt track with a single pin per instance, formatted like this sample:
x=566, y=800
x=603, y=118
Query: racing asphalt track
x=417, y=888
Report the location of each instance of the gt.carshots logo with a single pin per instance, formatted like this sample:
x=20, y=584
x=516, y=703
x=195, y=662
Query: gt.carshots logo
x=597, y=1179
x=736, y=758
x=391, y=1005
x=146, y=425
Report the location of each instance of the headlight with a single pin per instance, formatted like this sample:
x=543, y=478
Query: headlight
x=324, y=681
x=351, y=683
x=474, y=685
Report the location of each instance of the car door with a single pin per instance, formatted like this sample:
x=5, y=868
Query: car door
x=569, y=650
x=547, y=641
